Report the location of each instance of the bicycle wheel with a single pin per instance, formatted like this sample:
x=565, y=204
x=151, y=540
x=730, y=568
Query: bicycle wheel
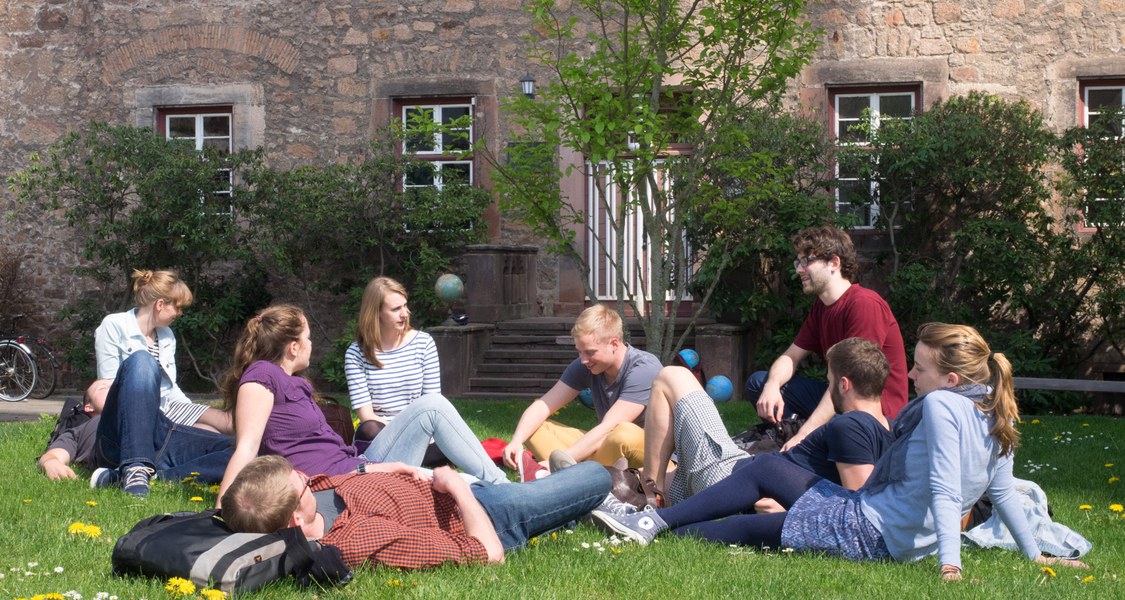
x=46, y=369
x=17, y=372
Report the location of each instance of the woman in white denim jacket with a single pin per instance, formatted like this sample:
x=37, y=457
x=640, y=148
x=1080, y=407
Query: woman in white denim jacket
x=160, y=297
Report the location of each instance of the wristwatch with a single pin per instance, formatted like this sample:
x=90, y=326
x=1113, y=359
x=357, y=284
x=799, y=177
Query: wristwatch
x=361, y=467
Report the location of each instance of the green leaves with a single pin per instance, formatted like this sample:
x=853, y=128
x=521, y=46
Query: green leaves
x=646, y=95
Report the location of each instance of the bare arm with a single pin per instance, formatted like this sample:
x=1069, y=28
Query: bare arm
x=366, y=413
x=770, y=404
x=534, y=416
x=56, y=464
x=251, y=412
x=477, y=522
x=854, y=476
x=218, y=420
x=621, y=412
x=820, y=416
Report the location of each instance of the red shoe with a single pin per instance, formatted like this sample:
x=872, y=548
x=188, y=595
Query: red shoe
x=530, y=469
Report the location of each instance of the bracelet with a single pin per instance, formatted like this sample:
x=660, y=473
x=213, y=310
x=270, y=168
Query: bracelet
x=950, y=570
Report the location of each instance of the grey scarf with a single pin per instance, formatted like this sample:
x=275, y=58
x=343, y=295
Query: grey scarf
x=891, y=467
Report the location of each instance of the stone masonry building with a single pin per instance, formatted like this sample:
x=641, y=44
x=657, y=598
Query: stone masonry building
x=310, y=82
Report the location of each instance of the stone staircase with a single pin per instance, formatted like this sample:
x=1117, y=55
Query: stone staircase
x=526, y=357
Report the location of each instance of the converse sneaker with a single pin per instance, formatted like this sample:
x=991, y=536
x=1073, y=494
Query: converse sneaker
x=530, y=469
x=103, y=477
x=641, y=527
x=612, y=506
x=560, y=460
x=136, y=480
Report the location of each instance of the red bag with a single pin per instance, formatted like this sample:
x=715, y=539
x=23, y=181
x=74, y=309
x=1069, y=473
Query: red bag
x=494, y=447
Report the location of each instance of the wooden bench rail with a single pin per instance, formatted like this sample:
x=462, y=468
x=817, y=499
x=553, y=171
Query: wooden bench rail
x=1069, y=385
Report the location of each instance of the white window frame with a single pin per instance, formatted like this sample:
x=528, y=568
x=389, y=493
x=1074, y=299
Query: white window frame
x=1086, y=114
x=438, y=154
x=438, y=182
x=875, y=101
x=199, y=141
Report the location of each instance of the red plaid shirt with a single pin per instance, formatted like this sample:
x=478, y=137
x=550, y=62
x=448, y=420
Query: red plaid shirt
x=397, y=521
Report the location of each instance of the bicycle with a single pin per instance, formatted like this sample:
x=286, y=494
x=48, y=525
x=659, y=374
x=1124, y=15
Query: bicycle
x=17, y=371
x=46, y=365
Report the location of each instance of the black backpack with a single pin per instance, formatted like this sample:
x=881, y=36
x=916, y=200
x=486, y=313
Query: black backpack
x=200, y=547
x=72, y=415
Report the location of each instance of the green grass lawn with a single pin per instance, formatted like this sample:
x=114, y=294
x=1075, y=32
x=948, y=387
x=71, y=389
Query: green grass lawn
x=1076, y=459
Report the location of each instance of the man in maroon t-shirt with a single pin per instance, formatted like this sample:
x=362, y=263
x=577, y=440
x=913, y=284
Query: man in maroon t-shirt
x=826, y=262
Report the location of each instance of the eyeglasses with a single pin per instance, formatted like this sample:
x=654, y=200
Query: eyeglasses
x=803, y=262
x=306, y=487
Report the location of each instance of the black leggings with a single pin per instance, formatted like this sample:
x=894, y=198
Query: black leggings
x=724, y=512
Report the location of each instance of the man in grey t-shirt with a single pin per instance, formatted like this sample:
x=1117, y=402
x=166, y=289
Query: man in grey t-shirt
x=620, y=379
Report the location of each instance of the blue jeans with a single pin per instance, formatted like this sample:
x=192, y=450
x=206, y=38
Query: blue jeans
x=133, y=430
x=522, y=511
x=801, y=395
x=432, y=416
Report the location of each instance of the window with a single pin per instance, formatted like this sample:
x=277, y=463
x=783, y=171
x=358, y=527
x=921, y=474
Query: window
x=441, y=135
x=203, y=127
x=850, y=108
x=1097, y=98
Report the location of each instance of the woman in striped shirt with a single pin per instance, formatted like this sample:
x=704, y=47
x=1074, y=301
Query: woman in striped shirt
x=390, y=364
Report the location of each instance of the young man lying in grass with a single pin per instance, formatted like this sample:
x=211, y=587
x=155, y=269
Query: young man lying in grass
x=394, y=515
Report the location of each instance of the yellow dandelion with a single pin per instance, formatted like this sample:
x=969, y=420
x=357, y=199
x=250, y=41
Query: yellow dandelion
x=1035, y=421
x=1116, y=507
x=27, y=500
x=1087, y=579
x=1048, y=570
x=213, y=594
x=187, y=480
x=1085, y=424
x=76, y=527
x=195, y=473
x=1109, y=465
x=355, y=423
x=615, y=549
x=1113, y=479
x=178, y=586
x=92, y=531
x=394, y=583
x=197, y=499
x=554, y=535
x=91, y=503
x=214, y=489
x=533, y=541
x=1085, y=507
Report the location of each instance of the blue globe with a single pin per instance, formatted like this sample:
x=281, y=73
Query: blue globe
x=719, y=388
x=690, y=358
x=587, y=397
x=449, y=288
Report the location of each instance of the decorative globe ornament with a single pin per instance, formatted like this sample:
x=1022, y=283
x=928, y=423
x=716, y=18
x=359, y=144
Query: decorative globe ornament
x=449, y=288
x=720, y=388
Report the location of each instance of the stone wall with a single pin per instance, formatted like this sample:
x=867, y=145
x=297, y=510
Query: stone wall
x=311, y=81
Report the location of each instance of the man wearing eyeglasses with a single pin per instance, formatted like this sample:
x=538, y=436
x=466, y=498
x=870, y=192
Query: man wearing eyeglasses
x=826, y=262
x=393, y=514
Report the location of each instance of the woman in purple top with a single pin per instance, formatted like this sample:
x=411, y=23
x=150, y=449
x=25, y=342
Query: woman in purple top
x=275, y=413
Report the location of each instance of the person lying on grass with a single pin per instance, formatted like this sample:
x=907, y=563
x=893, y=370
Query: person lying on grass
x=394, y=515
x=132, y=439
x=952, y=443
x=683, y=418
x=275, y=413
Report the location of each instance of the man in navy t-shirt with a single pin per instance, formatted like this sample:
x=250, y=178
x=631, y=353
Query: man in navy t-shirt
x=682, y=418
